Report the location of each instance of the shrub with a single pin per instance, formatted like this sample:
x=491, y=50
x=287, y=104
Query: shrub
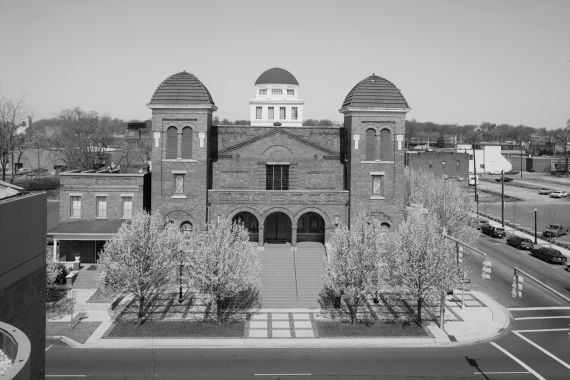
x=39, y=183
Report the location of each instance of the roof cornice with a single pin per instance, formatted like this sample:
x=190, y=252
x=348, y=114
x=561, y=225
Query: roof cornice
x=182, y=106
x=373, y=109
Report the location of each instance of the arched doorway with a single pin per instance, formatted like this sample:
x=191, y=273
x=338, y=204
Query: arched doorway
x=277, y=228
x=311, y=227
x=250, y=222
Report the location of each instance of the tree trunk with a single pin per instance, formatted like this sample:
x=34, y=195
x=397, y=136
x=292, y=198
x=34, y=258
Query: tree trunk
x=420, y=300
x=219, y=310
x=141, y=310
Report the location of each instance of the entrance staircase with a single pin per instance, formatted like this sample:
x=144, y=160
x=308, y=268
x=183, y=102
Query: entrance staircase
x=291, y=279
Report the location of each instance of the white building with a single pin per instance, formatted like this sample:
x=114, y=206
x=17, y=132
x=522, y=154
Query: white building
x=276, y=100
x=488, y=160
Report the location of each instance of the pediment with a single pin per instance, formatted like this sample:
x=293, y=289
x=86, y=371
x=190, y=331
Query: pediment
x=288, y=139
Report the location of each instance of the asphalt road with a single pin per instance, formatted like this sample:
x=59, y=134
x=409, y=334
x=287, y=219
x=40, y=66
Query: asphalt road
x=522, y=353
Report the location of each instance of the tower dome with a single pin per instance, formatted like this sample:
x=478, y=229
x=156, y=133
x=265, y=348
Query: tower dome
x=375, y=92
x=276, y=75
x=182, y=88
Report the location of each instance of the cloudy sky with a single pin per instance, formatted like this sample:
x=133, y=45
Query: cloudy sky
x=455, y=61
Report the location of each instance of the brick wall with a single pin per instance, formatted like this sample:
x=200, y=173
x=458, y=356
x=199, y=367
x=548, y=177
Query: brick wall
x=113, y=186
x=456, y=164
x=22, y=271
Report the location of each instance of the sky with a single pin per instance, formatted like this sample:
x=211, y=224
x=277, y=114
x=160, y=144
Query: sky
x=463, y=62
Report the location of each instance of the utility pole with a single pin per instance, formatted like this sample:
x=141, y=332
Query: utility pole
x=475, y=175
x=502, y=199
x=521, y=160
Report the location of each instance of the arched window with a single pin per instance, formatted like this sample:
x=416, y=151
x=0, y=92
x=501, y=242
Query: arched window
x=171, y=142
x=385, y=145
x=186, y=227
x=370, y=145
x=187, y=142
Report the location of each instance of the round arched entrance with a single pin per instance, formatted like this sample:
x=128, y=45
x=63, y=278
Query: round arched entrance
x=277, y=228
x=250, y=222
x=311, y=227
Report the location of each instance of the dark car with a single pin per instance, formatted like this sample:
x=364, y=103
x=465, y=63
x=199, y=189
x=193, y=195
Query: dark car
x=550, y=255
x=548, y=235
x=492, y=231
x=520, y=242
x=512, y=172
x=505, y=179
x=481, y=223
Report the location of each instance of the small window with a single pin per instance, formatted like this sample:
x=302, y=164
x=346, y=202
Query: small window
x=276, y=91
x=258, y=113
x=179, y=184
x=262, y=91
x=277, y=177
x=186, y=228
x=282, y=113
x=101, y=207
x=171, y=143
x=294, y=113
x=75, y=206
x=127, y=207
x=370, y=152
x=470, y=157
x=378, y=185
x=290, y=92
x=187, y=142
x=271, y=113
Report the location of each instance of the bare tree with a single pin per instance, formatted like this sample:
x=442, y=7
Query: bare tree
x=141, y=259
x=12, y=133
x=83, y=138
x=562, y=136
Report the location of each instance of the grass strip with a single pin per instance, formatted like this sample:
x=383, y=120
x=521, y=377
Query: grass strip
x=172, y=329
x=336, y=329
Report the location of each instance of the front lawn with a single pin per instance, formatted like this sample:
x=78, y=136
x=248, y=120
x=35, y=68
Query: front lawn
x=337, y=329
x=194, y=329
x=79, y=333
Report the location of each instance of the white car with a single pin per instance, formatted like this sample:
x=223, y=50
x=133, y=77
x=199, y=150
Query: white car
x=494, y=172
x=558, y=194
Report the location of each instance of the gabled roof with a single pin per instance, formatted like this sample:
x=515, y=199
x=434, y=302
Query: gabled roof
x=278, y=131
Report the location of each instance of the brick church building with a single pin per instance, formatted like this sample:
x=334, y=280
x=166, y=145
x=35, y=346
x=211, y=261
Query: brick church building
x=286, y=182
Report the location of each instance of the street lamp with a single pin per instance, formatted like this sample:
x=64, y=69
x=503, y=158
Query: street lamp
x=535, y=242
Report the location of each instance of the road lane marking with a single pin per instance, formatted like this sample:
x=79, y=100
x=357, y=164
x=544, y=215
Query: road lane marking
x=282, y=374
x=66, y=375
x=538, y=308
x=50, y=346
x=539, y=330
x=551, y=317
x=536, y=374
x=500, y=373
x=543, y=350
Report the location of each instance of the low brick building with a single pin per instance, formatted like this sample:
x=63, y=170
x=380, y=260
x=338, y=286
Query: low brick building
x=93, y=205
x=286, y=182
x=440, y=163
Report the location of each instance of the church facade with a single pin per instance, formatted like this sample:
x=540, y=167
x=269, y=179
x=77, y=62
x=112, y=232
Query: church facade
x=286, y=182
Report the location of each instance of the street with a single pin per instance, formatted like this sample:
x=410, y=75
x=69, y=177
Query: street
x=536, y=347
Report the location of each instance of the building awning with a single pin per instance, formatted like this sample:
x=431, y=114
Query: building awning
x=86, y=230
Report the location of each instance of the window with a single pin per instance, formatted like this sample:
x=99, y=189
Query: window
x=282, y=113
x=187, y=142
x=178, y=183
x=370, y=154
x=290, y=92
x=277, y=177
x=385, y=145
x=294, y=113
x=101, y=207
x=378, y=185
x=127, y=207
x=276, y=91
x=258, y=113
x=271, y=113
x=186, y=228
x=262, y=91
x=75, y=206
x=171, y=143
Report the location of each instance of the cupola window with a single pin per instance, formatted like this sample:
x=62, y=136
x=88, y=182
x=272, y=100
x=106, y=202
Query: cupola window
x=171, y=143
x=385, y=145
x=258, y=113
x=370, y=152
x=187, y=142
x=262, y=91
x=290, y=92
x=276, y=91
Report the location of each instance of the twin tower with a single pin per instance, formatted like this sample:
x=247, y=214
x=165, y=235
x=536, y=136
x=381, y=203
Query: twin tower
x=286, y=182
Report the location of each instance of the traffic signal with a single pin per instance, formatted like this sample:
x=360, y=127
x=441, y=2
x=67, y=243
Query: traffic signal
x=516, y=291
x=486, y=270
x=459, y=254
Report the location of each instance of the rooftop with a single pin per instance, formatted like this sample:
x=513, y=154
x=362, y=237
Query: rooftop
x=276, y=75
x=182, y=88
x=375, y=92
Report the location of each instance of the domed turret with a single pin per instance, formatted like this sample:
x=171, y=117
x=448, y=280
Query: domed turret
x=374, y=92
x=182, y=88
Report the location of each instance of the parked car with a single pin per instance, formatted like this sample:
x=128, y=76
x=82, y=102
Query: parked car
x=492, y=231
x=544, y=191
x=550, y=255
x=513, y=172
x=472, y=179
x=505, y=179
x=520, y=242
x=494, y=172
x=556, y=229
x=481, y=223
x=548, y=235
x=558, y=194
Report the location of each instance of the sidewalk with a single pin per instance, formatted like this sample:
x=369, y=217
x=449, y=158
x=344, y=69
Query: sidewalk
x=481, y=319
